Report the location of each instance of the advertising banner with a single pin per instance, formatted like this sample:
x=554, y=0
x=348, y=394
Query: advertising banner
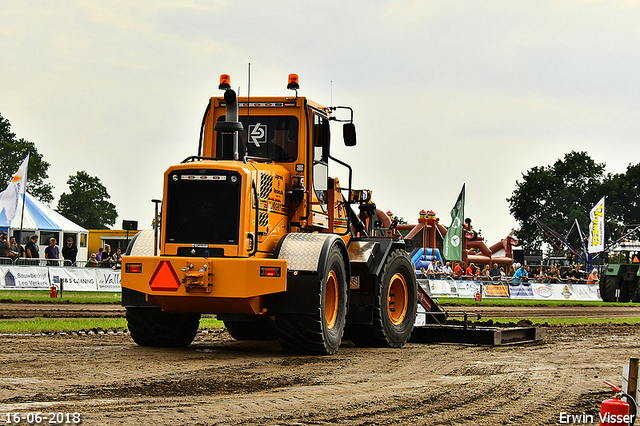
x=496, y=290
x=443, y=288
x=73, y=279
x=520, y=291
x=452, y=249
x=596, y=228
x=108, y=280
x=565, y=291
x=468, y=288
x=24, y=278
x=16, y=188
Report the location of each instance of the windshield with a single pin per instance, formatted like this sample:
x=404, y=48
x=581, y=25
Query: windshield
x=274, y=137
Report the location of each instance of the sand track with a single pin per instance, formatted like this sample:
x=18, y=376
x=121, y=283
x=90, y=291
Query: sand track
x=219, y=381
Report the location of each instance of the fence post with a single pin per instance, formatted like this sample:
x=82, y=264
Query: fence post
x=632, y=384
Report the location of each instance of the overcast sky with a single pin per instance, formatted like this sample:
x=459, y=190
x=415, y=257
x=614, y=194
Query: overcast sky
x=444, y=92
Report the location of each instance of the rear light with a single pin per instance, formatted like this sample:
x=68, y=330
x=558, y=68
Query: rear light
x=133, y=268
x=266, y=271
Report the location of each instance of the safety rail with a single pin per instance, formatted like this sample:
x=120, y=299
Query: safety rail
x=504, y=280
x=26, y=261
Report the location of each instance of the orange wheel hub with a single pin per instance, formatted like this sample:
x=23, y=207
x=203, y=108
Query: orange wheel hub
x=331, y=300
x=397, y=299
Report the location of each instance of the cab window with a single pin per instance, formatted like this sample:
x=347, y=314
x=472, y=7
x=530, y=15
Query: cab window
x=274, y=137
x=321, y=138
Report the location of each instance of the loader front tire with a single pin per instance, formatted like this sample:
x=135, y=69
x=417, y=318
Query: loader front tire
x=154, y=327
x=396, y=305
x=319, y=333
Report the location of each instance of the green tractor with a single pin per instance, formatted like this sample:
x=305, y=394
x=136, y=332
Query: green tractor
x=620, y=280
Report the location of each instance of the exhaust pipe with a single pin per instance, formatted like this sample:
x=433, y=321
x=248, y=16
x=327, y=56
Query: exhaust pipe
x=231, y=126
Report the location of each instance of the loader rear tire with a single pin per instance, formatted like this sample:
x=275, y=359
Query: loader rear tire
x=608, y=289
x=636, y=296
x=257, y=328
x=396, y=305
x=319, y=333
x=154, y=327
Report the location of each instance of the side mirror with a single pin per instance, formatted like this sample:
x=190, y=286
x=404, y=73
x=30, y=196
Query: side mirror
x=349, y=134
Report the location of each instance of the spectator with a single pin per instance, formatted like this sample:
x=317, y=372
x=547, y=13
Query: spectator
x=502, y=273
x=431, y=269
x=92, y=262
x=536, y=274
x=593, y=277
x=554, y=275
x=70, y=252
x=447, y=269
x=106, y=256
x=520, y=275
x=471, y=271
x=543, y=277
x=117, y=257
x=423, y=274
x=459, y=270
x=494, y=273
x=15, y=250
x=475, y=269
x=52, y=251
x=577, y=274
x=570, y=275
x=485, y=273
x=31, y=249
x=4, y=248
x=99, y=254
x=439, y=268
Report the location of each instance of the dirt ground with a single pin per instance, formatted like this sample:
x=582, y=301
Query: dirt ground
x=64, y=310
x=218, y=381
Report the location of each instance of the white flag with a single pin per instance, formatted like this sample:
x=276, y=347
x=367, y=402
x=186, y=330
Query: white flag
x=596, y=228
x=14, y=190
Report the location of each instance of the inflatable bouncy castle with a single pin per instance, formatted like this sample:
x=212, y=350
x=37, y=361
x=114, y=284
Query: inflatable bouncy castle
x=428, y=235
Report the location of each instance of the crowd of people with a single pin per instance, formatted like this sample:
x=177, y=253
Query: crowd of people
x=10, y=251
x=517, y=273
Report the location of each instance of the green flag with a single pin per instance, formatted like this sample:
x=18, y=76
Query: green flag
x=453, y=239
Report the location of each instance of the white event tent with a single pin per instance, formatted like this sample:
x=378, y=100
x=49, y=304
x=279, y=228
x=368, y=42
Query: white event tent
x=41, y=220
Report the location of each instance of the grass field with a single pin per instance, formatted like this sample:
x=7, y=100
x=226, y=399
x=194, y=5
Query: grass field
x=565, y=320
x=57, y=325
x=94, y=297
x=42, y=296
x=456, y=301
x=42, y=325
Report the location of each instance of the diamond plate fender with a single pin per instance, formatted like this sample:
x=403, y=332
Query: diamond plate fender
x=306, y=256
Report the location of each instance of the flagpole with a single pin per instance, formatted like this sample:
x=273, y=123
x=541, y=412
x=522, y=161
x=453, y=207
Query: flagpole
x=24, y=201
x=24, y=196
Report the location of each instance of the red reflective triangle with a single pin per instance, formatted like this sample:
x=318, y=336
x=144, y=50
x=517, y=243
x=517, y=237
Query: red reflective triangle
x=164, y=278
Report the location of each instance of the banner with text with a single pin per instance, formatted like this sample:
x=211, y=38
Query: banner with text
x=566, y=291
x=72, y=279
x=596, y=228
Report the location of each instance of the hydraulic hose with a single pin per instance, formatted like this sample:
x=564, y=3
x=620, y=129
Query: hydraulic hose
x=632, y=407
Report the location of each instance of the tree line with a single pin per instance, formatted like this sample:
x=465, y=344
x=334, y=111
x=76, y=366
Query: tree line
x=567, y=190
x=87, y=202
